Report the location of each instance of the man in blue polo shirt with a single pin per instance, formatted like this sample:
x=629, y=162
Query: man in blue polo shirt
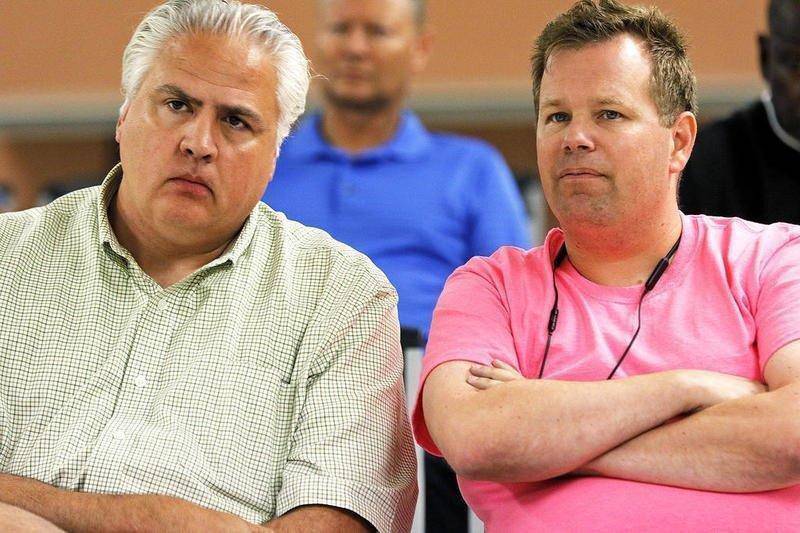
x=367, y=171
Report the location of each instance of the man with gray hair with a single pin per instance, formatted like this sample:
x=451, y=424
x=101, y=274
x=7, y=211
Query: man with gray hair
x=175, y=354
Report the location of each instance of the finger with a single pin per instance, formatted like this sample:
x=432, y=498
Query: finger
x=481, y=371
x=497, y=363
x=482, y=383
x=484, y=371
x=493, y=373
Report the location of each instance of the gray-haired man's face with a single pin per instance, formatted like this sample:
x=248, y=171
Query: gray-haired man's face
x=198, y=139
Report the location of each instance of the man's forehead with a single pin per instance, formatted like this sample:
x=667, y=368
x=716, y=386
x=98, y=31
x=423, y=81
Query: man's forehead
x=623, y=45
x=605, y=59
x=220, y=60
x=376, y=9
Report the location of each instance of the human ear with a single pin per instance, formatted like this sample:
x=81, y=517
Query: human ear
x=422, y=50
x=123, y=113
x=684, y=133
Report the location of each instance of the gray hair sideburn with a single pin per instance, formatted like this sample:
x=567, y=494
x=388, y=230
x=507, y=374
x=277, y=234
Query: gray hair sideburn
x=222, y=17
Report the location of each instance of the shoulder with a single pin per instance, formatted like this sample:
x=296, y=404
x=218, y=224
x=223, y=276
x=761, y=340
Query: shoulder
x=472, y=166
x=469, y=148
x=49, y=227
x=731, y=125
x=508, y=268
x=724, y=139
x=311, y=255
x=741, y=242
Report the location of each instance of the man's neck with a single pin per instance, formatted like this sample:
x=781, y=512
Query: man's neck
x=620, y=256
x=167, y=262
x=355, y=131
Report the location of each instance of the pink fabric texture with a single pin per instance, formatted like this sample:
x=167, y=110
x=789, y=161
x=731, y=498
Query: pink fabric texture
x=728, y=301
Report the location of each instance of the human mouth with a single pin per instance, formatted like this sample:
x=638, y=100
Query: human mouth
x=192, y=184
x=579, y=173
x=353, y=74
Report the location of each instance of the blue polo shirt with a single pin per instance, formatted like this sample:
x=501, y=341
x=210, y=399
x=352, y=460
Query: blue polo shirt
x=419, y=205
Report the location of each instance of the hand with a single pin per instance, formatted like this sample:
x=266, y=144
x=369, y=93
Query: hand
x=710, y=388
x=484, y=377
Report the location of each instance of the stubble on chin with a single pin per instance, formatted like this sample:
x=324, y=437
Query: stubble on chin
x=374, y=104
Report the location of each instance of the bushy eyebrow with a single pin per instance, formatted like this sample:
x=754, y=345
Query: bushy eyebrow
x=173, y=90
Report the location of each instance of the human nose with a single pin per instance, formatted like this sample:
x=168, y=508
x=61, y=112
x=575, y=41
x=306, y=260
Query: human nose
x=356, y=42
x=577, y=137
x=198, y=140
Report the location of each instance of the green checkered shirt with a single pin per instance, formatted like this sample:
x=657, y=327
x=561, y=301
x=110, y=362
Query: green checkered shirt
x=268, y=379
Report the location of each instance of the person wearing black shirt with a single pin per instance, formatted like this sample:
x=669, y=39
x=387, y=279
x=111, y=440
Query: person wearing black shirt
x=748, y=164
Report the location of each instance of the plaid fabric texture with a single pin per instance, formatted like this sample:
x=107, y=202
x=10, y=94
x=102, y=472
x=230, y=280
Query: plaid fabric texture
x=270, y=378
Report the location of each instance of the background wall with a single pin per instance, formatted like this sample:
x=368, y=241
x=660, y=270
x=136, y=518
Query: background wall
x=59, y=73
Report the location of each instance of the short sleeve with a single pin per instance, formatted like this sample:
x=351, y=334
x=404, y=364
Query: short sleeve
x=778, y=306
x=352, y=446
x=470, y=323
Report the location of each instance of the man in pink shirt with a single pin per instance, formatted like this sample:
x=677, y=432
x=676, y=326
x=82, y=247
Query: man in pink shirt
x=641, y=369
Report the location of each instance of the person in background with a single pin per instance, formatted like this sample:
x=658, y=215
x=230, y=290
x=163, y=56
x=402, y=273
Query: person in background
x=367, y=171
x=176, y=356
x=641, y=369
x=748, y=164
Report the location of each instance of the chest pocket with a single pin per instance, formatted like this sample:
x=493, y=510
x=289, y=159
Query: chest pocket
x=220, y=433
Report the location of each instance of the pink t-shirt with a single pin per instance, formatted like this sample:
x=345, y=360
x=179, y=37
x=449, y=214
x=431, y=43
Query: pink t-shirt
x=728, y=301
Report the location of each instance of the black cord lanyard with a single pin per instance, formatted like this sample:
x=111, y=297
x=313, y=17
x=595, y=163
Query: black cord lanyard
x=655, y=275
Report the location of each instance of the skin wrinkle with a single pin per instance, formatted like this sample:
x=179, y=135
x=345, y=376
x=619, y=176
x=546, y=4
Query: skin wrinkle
x=171, y=231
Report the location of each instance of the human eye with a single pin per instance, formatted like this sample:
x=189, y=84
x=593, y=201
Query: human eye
x=610, y=114
x=236, y=122
x=177, y=105
x=559, y=116
x=338, y=28
x=377, y=30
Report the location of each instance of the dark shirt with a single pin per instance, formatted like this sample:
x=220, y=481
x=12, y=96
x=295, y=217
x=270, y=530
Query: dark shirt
x=740, y=168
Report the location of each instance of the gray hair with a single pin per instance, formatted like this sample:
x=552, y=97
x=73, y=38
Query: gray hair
x=222, y=17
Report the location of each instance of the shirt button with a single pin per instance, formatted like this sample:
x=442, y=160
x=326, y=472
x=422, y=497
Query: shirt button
x=140, y=381
x=119, y=435
x=162, y=305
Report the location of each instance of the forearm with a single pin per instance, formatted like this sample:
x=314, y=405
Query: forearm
x=319, y=519
x=529, y=430
x=744, y=445
x=79, y=511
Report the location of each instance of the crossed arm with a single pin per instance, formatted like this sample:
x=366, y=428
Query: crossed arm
x=492, y=424
x=77, y=511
